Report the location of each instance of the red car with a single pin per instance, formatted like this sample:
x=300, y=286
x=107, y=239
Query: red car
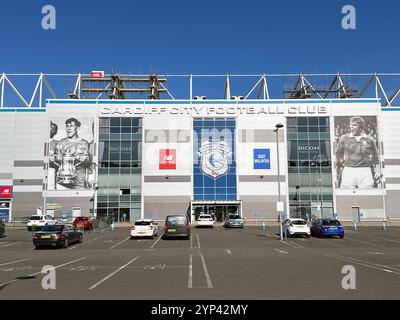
x=85, y=223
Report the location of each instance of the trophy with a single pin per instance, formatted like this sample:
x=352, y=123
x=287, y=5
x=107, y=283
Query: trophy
x=67, y=167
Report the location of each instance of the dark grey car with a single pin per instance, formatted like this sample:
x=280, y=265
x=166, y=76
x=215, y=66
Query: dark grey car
x=57, y=235
x=177, y=226
x=2, y=228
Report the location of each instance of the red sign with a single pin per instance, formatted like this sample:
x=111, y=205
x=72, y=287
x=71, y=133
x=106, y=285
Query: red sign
x=167, y=159
x=97, y=74
x=6, y=191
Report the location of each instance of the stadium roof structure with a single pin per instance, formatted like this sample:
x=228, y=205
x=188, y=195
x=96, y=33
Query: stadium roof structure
x=32, y=90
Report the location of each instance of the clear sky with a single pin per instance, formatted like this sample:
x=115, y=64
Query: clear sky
x=199, y=37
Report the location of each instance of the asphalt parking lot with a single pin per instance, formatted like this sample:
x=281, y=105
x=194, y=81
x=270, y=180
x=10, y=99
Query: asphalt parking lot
x=216, y=263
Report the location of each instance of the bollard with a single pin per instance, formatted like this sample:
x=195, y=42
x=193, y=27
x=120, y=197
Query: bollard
x=354, y=226
x=263, y=226
x=384, y=226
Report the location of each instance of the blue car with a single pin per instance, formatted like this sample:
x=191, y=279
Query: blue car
x=327, y=227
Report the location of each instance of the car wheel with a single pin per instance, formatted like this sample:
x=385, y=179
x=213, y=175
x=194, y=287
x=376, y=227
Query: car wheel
x=37, y=247
x=132, y=237
x=80, y=238
x=341, y=237
x=66, y=243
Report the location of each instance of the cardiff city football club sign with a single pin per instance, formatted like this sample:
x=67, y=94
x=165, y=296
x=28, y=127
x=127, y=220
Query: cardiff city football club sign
x=214, y=158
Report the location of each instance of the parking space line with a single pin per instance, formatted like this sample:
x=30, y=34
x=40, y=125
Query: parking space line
x=198, y=241
x=191, y=241
x=281, y=251
x=112, y=274
x=365, y=242
x=390, y=240
x=36, y=273
x=209, y=283
x=190, y=281
x=81, y=244
x=10, y=244
x=371, y=263
x=120, y=243
x=365, y=264
x=5, y=264
x=152, y=247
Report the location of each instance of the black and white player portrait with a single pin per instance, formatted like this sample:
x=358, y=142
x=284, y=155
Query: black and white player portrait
x=71, y=154
x=357, y=156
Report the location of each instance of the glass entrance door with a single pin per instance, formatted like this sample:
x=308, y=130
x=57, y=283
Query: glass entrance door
x=220, y=211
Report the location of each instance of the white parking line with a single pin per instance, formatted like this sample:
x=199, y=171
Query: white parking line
x=390, y=240
x=365, y=264
x=281, y=251
x=82, y=244
x=365, y=242
x=156, y=242
x=190, y=281
x=120, y=243
x=209, y=284
x=191, y=241
x=36, y=273
x=228, y=251
x=10, y=244
x=5, y=264
x=198, y=241
x=112, y=274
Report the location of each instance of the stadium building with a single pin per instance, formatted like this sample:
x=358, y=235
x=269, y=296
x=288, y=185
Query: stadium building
x=138, y=158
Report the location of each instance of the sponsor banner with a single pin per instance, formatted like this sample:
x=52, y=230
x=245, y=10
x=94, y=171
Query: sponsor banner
x=167, y=159
x=71, y=150
x=262, y=159
x=357, y=157
x=6, y=192
x=5, y=215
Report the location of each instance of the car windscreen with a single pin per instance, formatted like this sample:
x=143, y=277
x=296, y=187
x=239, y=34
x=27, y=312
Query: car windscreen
x=179, y=220
x=331, y=223
x=142, y=223
x=36, y=218
x=81, y=218
x=55, y=228
x=234, y=216
x=299, y=222
x=205, y=217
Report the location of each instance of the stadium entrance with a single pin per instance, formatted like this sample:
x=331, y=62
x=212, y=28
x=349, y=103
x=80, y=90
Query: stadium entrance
x=219, y=210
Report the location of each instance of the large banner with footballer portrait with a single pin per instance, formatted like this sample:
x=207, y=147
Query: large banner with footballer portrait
x=357, y=160
x=71, y=150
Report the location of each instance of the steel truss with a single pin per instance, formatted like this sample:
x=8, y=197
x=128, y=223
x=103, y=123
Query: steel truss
x=182, y=87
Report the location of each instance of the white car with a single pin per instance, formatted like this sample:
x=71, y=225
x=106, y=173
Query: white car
x=144, y=228
x=296, y=227
x=205, y=220
x=37, y=221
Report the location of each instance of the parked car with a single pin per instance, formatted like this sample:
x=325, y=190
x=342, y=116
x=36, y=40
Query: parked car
x=234, y=221
x=2, y=228
x=144, y=228
x=327, y=227
x=57, y=235
x=85, y=223
x=36, y=222
x=205, y=220
x=296, y=227
x=177, y=226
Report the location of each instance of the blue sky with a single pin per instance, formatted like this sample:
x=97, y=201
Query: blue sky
x=199, y=37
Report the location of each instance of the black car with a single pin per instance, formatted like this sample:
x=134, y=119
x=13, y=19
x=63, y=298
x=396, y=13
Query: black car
x=2, y=228
x=177, y=226
x=57, y=235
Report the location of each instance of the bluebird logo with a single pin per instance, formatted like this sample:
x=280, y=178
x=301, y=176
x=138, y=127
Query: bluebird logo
x=214, y=157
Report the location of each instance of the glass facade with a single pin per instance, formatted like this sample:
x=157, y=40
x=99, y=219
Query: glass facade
x=309, y=167
x=214, y=159
x=120, y=168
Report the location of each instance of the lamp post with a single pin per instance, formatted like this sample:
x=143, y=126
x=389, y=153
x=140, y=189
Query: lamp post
x=279, y=126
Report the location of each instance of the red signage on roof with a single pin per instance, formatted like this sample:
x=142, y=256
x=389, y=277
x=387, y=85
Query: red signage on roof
x=97, y=74
x=6, y=192
x=167, y=159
